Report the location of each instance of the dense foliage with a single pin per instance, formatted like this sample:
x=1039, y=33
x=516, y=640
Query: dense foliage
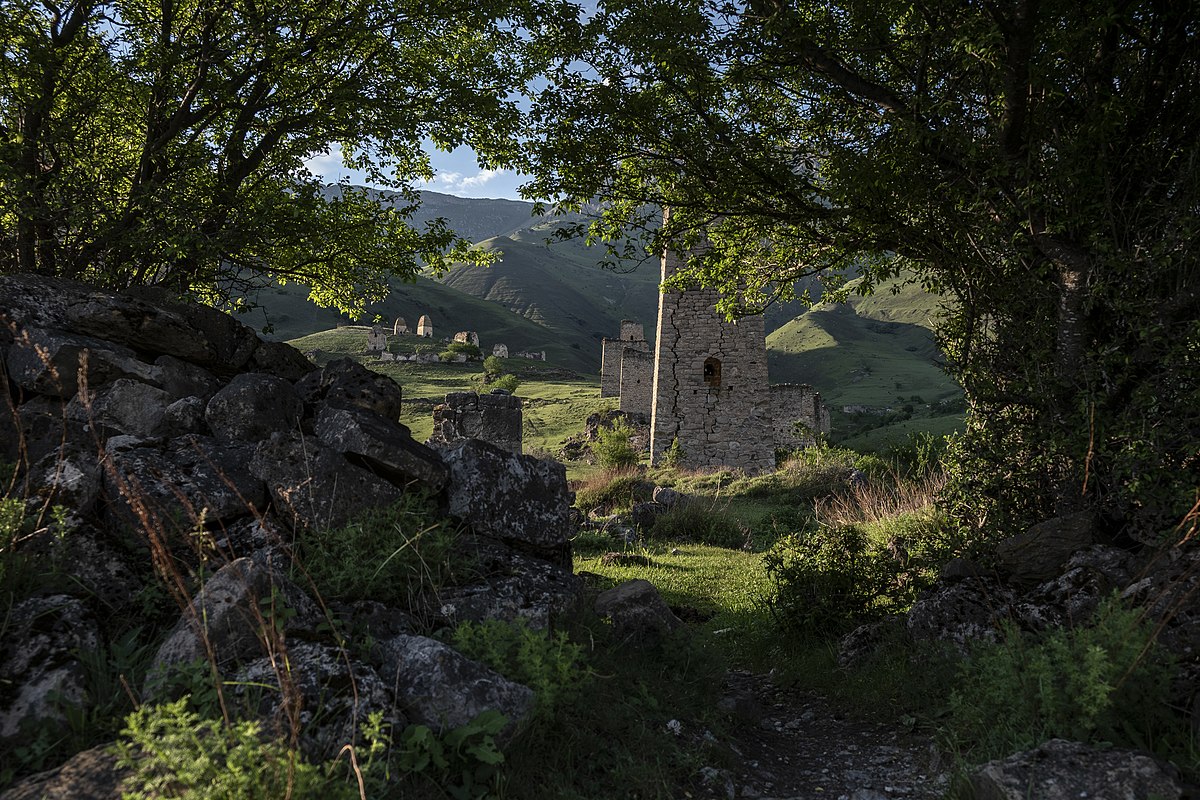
x=164, y=142
x=1038, y=163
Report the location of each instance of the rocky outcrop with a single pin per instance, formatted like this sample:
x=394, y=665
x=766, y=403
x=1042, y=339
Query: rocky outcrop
x=1062, y=770
x=90, y=775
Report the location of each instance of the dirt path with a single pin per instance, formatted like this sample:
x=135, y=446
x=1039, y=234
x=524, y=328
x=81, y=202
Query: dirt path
x=790, y=745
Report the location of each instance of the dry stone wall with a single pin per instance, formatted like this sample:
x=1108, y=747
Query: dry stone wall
x=637, y=381
x=793, y=403
x=710, y=386
x=494, y=418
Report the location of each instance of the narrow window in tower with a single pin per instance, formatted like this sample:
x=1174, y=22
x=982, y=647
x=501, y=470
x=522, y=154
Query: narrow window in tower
x=712, y=372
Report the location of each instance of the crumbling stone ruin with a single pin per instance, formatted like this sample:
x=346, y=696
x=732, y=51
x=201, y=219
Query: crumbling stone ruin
x=712, y=392
x=400, y=327
x=376, y=340
x=531, y=355
x=637, y=381
x=632, y=337
x=494, y=418
x=500, y=350
x=425, y=326
x=467, y=337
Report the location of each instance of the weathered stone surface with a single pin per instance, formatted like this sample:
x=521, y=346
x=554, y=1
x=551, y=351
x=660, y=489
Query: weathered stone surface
x=315, y=486
x=517, y=499
x=1062, y=770
x=1072, y=597
x=184, y=416
x=183, y=481
x=1170, y=592
x=90, y=775
x=440, y=687
x=49, y=362
x=337, y=694
x=38, y=657
x=962, y=612
x=43, y=427
x=231, y=612
x=101, y=569
x=957, y=569
x=251, y=407
x=383, y=446
x=281, y=360
x=70, y=477
x=127, y=406
x=494, y=418
x=345, y=383
x=643, y=515
x=864, y=641
x=667, y=497
x=1038, y=554
x=637, y=611
x=179, y=378
x=513, y=586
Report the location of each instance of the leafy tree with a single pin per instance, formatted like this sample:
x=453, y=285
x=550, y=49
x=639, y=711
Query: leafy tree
x=164, y=141
x=1035, y=162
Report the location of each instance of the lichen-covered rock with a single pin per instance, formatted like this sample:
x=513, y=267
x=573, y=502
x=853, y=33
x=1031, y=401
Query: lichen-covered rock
x=229, y=619
x=42, y=426
x=1072, y=597
x=637, y=611
x=337, y=694
x=39, y=666
x=103, y=570
x=384, y=446
x=180, y=378
x=344, y=383
x=494, y=418
x=69, y=477
x=520, y=500
x=667, y=497
x=50, y=362
x=89, y=775
x=1036, y=556
x=126, y=407
x=184, y=482
x=1062, y=770
x=313, y=485
x=511, y=586
x=965, y=611
x=184, y=416
x=440, y=687
x=281, y=360
x=1170, y=592
x=253, y=406
x=864, y=641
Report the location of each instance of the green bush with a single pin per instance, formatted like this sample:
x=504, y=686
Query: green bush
x=612, y=446
x=1108, y=683
x=464, y=348
x=508, y=383
x=550, y=664
x=702, y=521
x=173, y=752
x=613, y=491
x=394, y=555
x=493, y=367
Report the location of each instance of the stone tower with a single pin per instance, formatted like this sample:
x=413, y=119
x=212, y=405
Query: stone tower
x=425, y=326
x=633, y=337
x=400, y=327
x=710, y=383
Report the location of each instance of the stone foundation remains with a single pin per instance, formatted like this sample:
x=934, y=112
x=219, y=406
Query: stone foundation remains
x=494, y=418
x=467, y=337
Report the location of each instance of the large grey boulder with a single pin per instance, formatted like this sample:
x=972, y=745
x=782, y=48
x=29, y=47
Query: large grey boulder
x=50, y=362
x=960, y=613
x=70, y=477
x=279, y=359
x=90, y=775
x=348, y=384
x=230, y=617
x=440, y=687
x=125, y=407
x=1038, y=555
x=39, y=662
x=385, y=447
x=313, y=485
x=42, y=426
x=1062, y=770
x=180, y=378
x=511, y=586
x=337, y=693
x=183, y=482
x=520, y=500
x=1072, y=597
x=637, y=612
x=253, y=406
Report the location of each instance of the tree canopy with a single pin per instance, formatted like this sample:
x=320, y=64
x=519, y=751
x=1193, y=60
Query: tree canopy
x=164, y=141
x=1034, y=160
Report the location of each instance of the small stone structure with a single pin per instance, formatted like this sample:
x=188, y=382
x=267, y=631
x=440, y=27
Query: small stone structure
x=637, y=381
x=532, y=356
x=467, y=337
x=376, y=340
x=632, y=336
x=400, y=327
x=425, y=326
x=500, y=350
x=711, y=388
x=494, y=418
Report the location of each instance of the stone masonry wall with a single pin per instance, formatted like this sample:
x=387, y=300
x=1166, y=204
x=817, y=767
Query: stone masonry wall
x=610, y=367
x=637, y=381
x=797, y=402
x=632, y=331
x=494, y=418
x=710, y=385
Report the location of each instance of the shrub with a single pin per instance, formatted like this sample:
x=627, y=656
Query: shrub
x=465, y=348
x=550, y=664
x=612, y=446
x=493, y=367
x=615, y=490
x=508, y=383
x=701, y=521
x=393, y=555
x=1105, y=683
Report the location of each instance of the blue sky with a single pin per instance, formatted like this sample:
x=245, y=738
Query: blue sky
x=457, y=173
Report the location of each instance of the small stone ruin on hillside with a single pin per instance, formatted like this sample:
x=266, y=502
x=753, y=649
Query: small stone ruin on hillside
x=467, y=337
x=400, y=328
x=705, y=385
x=500, y=350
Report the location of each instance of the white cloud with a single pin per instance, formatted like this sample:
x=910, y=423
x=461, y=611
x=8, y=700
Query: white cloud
x=451, y=181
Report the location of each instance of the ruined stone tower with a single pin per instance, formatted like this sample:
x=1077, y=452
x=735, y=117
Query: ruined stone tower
x=632, y=337
x=710, y=383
